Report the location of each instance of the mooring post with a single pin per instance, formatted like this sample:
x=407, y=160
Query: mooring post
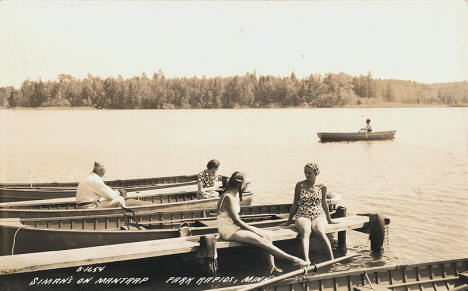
x=208, y=254
x=341, y=212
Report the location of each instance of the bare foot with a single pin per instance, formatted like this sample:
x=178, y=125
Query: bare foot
x=300, y=262
x=275, y=270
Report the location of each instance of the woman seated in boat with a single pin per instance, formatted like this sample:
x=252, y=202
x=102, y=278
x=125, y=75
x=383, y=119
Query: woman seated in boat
x=368, y=127
x=206, y=181
x=310, y=210
x=232, y=228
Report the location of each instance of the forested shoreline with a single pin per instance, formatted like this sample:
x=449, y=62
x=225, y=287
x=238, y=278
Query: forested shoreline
x=249, y=90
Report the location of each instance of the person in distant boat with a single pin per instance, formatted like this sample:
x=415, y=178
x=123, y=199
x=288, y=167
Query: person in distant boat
x=93, y=193
x=232, y=228
x=206, y=181
x=310, y=210
x=368, y=127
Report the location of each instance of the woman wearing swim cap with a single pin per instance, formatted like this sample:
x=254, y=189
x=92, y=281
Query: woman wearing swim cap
x=310, y=210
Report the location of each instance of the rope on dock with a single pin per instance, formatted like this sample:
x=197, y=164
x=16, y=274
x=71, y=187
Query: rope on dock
x=14, y=240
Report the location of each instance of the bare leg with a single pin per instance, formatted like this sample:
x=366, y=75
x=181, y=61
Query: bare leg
x=269, y=257
x=248, y=237
x=318, y=226
x=303, y=225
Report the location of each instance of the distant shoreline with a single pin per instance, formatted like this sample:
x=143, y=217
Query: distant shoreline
x=384, y=105
x=246, y=91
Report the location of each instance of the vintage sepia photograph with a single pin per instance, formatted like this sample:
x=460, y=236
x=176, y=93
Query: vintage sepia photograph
x=234, y=145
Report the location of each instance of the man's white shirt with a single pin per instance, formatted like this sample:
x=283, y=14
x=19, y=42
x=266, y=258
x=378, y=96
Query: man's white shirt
x=92, y=189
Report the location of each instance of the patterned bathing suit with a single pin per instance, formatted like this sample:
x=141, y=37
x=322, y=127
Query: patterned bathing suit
x=310, y=203
x=207, y=178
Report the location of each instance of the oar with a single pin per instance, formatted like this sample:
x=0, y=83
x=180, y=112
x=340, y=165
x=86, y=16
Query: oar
x=313, y=267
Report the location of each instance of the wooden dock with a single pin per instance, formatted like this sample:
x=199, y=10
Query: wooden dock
x=138, y=250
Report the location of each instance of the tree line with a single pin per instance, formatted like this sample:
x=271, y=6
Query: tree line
x=249, y=90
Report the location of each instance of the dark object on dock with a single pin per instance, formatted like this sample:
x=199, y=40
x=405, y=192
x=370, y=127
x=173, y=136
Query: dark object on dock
x=208, y=254
x=376, y=230
x=355, y=136
x=341, y=212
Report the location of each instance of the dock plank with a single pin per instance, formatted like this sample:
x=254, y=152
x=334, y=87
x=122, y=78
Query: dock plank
x=138, y=250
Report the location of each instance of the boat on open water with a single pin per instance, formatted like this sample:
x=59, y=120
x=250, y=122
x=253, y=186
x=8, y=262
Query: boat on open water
x=356, y=136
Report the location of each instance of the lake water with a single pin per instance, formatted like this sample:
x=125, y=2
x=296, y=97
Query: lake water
x=419, y=180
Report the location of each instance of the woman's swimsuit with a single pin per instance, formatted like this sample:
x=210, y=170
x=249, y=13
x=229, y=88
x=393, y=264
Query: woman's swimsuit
x=208, y=180
x=310, y=203
x=226, y=225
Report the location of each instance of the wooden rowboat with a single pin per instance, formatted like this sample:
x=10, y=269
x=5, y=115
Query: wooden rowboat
x=111, y=183
x=56, y=233
x=162, y=200
x=23, y=194
x=355, y=136
x=435, y=275
x=173, y=250
x=50, y=234
x=10, y=192
x=182, y=200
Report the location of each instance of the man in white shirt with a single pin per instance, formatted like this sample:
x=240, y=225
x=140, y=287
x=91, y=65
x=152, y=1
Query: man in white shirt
x=93, y=193
x=368, y=127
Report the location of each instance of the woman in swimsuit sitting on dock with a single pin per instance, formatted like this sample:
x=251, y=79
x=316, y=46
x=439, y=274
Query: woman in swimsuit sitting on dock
x=232, y=228
x=310, y=210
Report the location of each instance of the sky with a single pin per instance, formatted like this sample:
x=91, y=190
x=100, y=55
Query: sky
x=424, y=41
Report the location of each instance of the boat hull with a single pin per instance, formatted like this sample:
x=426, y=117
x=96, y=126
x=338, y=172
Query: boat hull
x=11, y=192
x=111, y=183
x=39, y=235
x=355, y=136
x=162, y=202
x=239, y=266
x=436, y=275
x=15, y=194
